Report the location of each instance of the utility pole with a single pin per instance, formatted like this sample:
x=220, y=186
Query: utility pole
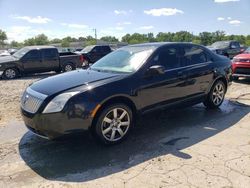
x=95, y=35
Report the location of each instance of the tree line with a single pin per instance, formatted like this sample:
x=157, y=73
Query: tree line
x=204, y=38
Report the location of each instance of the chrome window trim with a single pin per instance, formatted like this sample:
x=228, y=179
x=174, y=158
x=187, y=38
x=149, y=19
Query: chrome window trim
x=198, y=64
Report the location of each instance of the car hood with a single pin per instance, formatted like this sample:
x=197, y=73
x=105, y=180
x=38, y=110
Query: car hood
x=62, y=82
x=7, y=59
x=243, y=56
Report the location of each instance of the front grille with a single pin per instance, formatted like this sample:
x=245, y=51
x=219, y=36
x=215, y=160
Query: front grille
x=32, y=100
x=242, y=71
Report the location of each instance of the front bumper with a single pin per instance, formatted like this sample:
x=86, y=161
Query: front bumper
x=241, y=69
x=55, y=124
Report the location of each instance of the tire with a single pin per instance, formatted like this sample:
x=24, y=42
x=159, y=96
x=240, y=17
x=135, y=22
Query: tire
x=109, y=129
x=68, y=67
x=10, y=73
x=216, y=95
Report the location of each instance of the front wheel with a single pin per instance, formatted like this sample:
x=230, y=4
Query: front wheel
x=10, y=73
x=216, y=95
x=113, y=124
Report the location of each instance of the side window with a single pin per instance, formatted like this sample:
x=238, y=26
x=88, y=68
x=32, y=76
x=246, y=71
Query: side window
x=168, y=57
x=33, y=55
x=235, y=45
x=106, y=49
x=194, y=55
x=49, y=53
x=97, y=49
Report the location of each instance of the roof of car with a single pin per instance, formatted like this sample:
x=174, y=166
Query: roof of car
x=159, y=44
x=39, y=47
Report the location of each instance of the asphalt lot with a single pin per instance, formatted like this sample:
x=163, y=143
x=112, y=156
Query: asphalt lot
x=191, y=147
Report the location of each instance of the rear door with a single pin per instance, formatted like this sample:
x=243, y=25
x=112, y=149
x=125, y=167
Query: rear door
x=32, y=61
x=199, y=69
x=50, y=58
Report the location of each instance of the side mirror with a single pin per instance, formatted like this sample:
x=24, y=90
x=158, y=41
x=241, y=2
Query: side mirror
x=155, y=70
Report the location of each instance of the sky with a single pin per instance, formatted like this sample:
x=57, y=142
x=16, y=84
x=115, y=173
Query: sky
x=22, y=19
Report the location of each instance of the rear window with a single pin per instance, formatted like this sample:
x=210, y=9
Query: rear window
x=194, y=55
x=49, y=53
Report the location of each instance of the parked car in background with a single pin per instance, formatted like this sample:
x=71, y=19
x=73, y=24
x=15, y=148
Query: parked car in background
x=12, y=51
x=241, y=65
x=77, y=49
x=37, y=59
x=226, y=48
x=4, y=53
x=93, y=53
x=132, y=80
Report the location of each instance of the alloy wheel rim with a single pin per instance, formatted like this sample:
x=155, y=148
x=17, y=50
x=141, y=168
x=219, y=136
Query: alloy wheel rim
x=218, y=94
x=68, y=68
x=10, y=73
x=115, y=124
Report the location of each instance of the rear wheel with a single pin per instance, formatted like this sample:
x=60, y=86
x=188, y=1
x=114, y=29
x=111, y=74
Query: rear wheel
x=216, y=95
x=68, y=67
x=10, y=73
x=113, y=124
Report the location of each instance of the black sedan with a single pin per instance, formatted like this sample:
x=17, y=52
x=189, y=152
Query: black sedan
x=132, y=80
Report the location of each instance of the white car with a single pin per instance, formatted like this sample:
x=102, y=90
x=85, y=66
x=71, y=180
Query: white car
x=4, y=53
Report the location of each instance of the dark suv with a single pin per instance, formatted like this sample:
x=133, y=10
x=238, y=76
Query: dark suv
x=132, y=80
x=93, y=53
x=227, y=48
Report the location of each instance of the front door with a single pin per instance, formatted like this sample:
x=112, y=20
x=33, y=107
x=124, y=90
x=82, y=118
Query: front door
x=160, y=90
x=32, y=62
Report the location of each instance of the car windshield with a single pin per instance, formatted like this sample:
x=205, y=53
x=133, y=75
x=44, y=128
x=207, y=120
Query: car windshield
x=221, y=44
x=247, y=51
x=87, y=49
x=124, y=60
x=20, y=53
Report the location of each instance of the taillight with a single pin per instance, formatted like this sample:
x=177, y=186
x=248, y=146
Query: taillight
x=82, y=58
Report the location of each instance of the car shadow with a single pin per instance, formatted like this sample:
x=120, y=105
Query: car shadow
x=78, y=158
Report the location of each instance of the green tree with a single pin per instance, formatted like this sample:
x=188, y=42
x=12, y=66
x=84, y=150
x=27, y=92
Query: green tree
x=126, y=38
x=65, y=43
x=165, y=37
x=56, y=40
x=41, y=39
x=183, y=36
x=218, y=36
x=37, y=40
x=29, y=42
x=15, y=44
x=109, y=39
x=3, y=37
x=206, y=38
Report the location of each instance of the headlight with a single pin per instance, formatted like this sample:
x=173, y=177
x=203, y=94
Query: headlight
x=58, y=103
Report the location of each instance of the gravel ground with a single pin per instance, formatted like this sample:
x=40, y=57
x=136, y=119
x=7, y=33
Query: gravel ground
x=166, y=149
x=10, y=95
